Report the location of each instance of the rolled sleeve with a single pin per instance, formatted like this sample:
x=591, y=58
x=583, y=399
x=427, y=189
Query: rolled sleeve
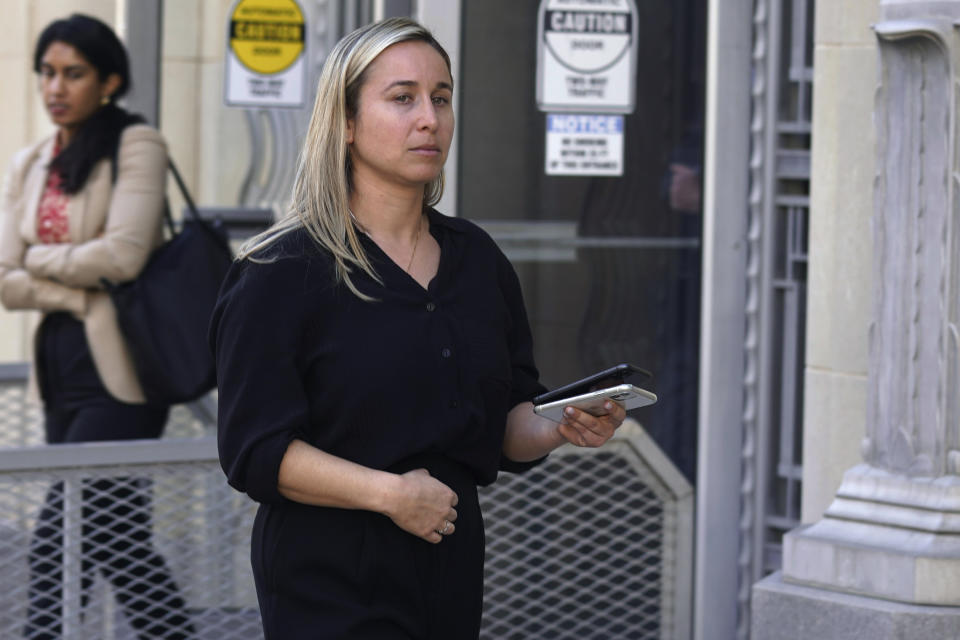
x=525, y=379
x=255, y=334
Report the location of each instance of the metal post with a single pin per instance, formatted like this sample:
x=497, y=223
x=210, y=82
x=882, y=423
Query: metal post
x=392, y=8
x=72, y=514
x=144, y=39
x=723, y=317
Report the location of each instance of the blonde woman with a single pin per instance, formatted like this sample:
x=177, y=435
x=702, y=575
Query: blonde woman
x=375, y=366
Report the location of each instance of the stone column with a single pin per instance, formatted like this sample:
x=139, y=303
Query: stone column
x=885, y=558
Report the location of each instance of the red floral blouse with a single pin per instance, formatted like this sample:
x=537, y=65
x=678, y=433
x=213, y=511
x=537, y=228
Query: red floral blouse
x=52, y=224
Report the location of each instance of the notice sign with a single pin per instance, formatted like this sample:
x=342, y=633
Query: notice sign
x=265, y=54
x=586, y=55
x=584, y=145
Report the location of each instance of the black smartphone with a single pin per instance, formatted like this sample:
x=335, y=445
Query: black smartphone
x=620, y=374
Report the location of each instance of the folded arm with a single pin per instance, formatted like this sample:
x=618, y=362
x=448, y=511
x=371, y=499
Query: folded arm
x=416, y=502
x=136, y=207
x=18, y=288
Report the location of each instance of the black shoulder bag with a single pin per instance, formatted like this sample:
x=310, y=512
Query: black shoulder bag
x=163, y=314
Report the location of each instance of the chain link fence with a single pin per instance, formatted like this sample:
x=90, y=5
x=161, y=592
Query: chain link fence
x=144, y=539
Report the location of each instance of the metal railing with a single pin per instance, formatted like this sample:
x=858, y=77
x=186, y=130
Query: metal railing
x=124, y=540
x=592, y=544
x=144, y=539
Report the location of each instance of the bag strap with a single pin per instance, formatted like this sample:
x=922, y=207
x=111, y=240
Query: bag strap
x=194, y=213
x=191, y=206
x=186, y=194
x=167, y=217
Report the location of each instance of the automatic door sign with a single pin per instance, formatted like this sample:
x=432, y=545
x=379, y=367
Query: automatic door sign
x=586, y=55
x=265, y=54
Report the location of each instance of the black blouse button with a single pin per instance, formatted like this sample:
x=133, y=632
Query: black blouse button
x=431, y=306
x=445, y=352
x=454, y=404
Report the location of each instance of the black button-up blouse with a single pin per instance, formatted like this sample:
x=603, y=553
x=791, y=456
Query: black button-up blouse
x=415, y=372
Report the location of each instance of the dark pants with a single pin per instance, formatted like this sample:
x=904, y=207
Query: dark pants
x=116, y=527
x=337, y=574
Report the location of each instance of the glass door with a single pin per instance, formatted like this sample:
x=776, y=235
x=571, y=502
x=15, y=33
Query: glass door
x=610, y=266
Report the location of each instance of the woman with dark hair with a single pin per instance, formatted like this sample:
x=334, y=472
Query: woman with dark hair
x=85, y=204
x=375, y=366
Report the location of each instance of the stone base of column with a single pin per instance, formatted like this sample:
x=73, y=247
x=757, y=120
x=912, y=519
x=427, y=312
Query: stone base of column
x=784, y=611
x=884, y=536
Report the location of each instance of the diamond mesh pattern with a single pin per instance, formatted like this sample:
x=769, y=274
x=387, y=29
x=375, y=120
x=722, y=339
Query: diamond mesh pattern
x=584, y=546
x=184, y=422
x=575, y=550
x=152, y=551
x=20, y=421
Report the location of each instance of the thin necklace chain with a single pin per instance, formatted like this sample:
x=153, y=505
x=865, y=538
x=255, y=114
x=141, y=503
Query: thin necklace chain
x=416, y=240
x=357, y=222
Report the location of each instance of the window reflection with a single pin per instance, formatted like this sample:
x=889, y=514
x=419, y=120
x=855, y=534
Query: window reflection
x=610, y=266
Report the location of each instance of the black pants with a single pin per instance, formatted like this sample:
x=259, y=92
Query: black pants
x=116, y=527
x=338, y=574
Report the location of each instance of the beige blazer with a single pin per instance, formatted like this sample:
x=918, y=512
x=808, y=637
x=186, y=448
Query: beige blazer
x=113, y=229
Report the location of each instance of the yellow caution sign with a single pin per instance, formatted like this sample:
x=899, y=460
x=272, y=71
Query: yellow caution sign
x=267, y=36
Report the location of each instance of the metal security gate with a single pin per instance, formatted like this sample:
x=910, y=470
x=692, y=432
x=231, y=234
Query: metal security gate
x=777, y=225
x=786, y=220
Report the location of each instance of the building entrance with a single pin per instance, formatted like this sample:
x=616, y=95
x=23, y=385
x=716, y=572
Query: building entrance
x=610, y=266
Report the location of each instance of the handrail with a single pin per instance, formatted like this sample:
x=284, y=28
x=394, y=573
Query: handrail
x=88, y=455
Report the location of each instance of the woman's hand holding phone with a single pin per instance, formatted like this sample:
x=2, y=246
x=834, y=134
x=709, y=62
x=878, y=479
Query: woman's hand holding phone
x=584, y=429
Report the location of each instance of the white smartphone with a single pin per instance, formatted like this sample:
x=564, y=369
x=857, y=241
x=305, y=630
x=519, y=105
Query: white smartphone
x=629, y=396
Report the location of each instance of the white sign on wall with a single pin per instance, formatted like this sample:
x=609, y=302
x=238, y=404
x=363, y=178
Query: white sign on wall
x=265, y=54
x=586, y=55
x=584, y=145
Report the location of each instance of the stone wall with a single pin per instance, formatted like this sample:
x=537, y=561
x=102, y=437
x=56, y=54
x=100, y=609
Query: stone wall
x=845, y=77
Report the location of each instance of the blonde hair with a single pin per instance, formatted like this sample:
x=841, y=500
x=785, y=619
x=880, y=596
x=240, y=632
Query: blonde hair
x=321, y=191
